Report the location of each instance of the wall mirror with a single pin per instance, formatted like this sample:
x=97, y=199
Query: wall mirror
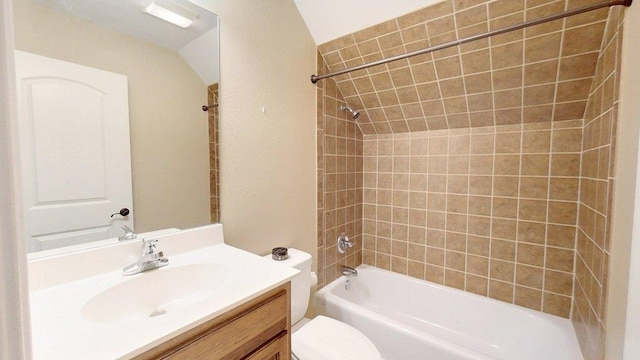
x=169, y=74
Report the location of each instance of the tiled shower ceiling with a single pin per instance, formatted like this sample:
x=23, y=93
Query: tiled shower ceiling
x=539, y=74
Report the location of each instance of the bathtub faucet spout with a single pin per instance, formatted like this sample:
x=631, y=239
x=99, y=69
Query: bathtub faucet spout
x=349, y=271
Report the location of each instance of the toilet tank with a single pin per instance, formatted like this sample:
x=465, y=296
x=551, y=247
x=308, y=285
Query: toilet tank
x=300, y=284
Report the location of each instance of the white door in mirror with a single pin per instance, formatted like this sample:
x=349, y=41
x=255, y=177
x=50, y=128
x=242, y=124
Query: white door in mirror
x=74, y=151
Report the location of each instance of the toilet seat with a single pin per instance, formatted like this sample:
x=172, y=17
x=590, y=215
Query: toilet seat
x=324, y=338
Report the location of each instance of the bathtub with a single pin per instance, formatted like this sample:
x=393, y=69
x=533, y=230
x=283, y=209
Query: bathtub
x=412, y=319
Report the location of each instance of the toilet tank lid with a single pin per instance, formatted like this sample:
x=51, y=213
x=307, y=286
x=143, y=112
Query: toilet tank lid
x=324, y=338
x=296, y=258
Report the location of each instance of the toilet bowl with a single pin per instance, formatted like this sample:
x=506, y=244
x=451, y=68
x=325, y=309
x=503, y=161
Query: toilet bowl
x=320, y=338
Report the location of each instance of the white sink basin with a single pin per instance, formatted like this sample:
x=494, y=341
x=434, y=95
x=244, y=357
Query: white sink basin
x=157, y=292
x=81, y=298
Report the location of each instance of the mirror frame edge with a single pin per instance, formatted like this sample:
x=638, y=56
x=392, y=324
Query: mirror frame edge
x=15, y=334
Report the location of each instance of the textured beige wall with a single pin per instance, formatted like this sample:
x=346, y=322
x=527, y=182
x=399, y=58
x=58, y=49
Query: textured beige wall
x=169, y=131
x=267, y=160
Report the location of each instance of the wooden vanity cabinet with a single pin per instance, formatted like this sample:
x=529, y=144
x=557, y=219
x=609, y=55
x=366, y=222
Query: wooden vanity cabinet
x=259, y=329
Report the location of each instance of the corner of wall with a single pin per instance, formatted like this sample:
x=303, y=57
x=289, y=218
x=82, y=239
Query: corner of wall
x=624, y=231
x=267, y=159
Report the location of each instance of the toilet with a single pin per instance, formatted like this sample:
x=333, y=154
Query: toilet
x=320, y=338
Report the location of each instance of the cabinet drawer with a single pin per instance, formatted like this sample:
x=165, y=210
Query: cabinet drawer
x=233, y=335
x=276, y=349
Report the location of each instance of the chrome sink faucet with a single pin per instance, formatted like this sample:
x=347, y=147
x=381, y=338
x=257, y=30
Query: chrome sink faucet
x=128, y=234
x=151, y=259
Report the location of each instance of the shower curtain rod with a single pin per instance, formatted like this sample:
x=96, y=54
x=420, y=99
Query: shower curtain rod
x=627, y=3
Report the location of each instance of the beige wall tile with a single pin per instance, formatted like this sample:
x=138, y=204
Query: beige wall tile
x=530, y=254
x=477, y=284
x=507, y=165
x=531, y=232
x=402, y=77
x=535, y=164
x=507, y=55
x=556, y=304
x=534, y=210
x=501, y=270
x=503, y=228
x=562, y=212
x=527, y=297
x=569, y=111
x=573, y=90
x=582, y=39
x=504, y=7
x=481, y=119
x=540, y=73
x=476, y=62
x=565, y=164
x=507, y=78
x=529, y=276
x=502, y=22
x=454, y=279
x=434, y=274
x=536, y=141
x=505, y=186
x=542, y=48
x=508, y=98
x=537, y=114
x=534, y=187
x=553, y=7
x=508, y=116
x=480, y=185
x=501, y=291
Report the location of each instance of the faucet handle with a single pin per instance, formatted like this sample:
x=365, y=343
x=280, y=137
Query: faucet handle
x=149, y=246
x=128, y=234
x=344, y=243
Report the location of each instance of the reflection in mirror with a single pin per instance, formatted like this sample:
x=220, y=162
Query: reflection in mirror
x=213, y=103
x=166, y=73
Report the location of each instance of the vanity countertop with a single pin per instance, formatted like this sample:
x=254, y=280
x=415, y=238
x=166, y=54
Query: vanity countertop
x=79, y=313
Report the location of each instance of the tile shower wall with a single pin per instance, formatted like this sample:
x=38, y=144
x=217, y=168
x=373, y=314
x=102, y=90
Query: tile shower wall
x=212, y=102
x=519, y=213
x=488, y=210
x=542, y=73
x=339, y=200
x=596, y=193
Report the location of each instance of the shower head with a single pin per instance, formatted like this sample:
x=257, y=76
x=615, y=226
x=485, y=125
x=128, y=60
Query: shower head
x=354, y=113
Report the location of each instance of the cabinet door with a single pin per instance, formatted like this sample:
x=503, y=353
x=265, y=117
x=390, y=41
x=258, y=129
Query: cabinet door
x=277, y=349
x=241, y=336
x=257, y=329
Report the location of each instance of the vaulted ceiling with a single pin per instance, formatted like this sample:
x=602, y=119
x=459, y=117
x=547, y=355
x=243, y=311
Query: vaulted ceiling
x=331, y=19
x=540, y=74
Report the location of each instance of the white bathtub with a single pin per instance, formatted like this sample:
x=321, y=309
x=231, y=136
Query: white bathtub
x=411, y=319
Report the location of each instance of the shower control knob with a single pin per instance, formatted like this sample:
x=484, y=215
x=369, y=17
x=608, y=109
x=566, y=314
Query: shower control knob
x=344, y=243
